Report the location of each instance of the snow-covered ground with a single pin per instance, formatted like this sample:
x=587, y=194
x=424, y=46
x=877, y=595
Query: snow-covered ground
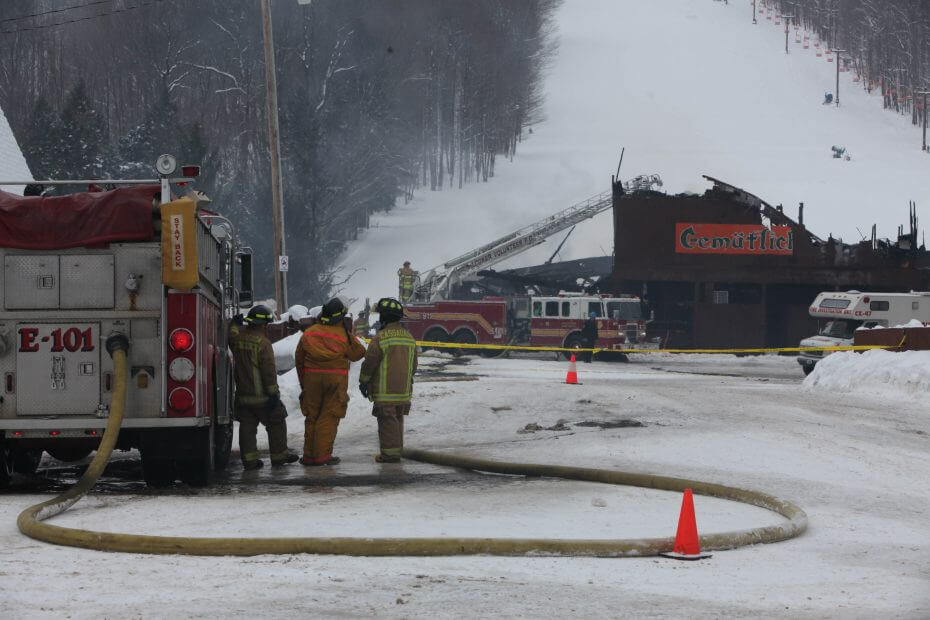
x=689, y=87
x=856, y=463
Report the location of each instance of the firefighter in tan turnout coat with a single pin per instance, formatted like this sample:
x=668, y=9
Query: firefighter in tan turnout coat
x=258, y=399
x=386, y=378
x=322, y=358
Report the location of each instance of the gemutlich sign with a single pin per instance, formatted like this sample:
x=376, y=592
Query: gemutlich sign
x=733, y=239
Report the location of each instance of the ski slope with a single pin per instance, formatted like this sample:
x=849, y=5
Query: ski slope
x=688, y=87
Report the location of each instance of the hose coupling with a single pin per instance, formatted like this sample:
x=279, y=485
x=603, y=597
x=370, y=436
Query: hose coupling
x=117, y=342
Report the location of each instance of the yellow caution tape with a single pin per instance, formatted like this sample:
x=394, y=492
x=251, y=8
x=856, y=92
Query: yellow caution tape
x=509, y=347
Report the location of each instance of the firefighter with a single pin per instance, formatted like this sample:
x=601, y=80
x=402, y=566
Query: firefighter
x=322, y=359
x=589, y=335
x=362, y=324
x=258, y=399
x=406, y=281
x=386, y=378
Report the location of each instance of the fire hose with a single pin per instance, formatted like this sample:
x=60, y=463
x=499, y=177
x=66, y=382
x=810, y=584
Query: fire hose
x=30, y=521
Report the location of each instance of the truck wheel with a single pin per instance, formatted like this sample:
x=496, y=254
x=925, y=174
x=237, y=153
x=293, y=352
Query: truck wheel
x=26, y=461
x=6, y=465
x=222, y=445
x=436, y=334
x=223, y=434
x=157, y=472
x=572, y=341
x=197, y=468
x=70, y=452
x=465, y=337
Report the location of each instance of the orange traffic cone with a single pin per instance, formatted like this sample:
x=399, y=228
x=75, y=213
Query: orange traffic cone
x=687, y=545
x=572, y=376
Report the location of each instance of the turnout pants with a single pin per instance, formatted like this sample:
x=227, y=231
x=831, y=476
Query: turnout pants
x=391, y=427
x=275, y=425
x=324, y=403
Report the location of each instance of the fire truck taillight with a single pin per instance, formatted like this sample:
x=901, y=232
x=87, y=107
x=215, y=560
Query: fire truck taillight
x=181, y=340
x=181, y=399
x=181, y=369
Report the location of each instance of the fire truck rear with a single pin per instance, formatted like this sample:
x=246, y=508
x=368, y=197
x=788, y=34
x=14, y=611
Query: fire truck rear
x=554, y=321
x=80, y=268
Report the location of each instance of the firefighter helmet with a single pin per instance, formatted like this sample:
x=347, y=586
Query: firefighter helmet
x=389, y=310
x=259, y=315
x=333, y=311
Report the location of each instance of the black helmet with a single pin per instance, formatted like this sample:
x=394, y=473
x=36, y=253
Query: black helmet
x=333, y=311
x=259, y=315
x=389, y=309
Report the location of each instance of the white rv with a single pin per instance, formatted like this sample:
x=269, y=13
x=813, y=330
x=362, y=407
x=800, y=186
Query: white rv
x=841, y=314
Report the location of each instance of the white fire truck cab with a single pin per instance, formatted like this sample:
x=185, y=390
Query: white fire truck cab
x=77, y=269
x=841, y=314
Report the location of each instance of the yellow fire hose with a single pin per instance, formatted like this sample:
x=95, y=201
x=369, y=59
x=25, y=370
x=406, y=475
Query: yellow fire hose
x=30, y=520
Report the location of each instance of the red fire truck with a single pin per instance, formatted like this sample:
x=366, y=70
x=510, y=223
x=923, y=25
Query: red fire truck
x=554, y=321
x=80, y=268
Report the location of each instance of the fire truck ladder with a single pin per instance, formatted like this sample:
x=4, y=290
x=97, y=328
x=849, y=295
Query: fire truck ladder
x=437, y=282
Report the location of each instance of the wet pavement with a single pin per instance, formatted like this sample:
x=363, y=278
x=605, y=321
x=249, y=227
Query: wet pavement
x=123, y=476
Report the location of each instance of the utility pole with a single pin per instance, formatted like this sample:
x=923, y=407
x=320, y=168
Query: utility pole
x=838, y=52
x=924, y=93
x=753, y=11
x=277, y=187
x=786, y=18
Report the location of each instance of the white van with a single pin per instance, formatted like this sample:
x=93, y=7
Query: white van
x=841, y=314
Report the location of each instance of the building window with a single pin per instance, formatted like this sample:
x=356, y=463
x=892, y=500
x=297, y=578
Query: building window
x=721, y=297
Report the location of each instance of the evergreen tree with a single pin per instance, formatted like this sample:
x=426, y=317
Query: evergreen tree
x=40, y=142
x=81, y=138
x=158, y=133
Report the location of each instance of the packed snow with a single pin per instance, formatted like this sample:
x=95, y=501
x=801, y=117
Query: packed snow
x=856, y=463
x=875, y=372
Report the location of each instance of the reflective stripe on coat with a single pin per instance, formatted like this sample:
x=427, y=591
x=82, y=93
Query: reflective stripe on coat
x=389, y=365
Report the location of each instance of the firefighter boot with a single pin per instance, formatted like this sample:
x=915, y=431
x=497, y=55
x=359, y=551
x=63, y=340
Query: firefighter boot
x=287, y=459
x=252, y=465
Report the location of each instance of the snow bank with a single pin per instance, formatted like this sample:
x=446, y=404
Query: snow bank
x=911, y=323
x=296, y=312
x=875, y=372
x=284, y=352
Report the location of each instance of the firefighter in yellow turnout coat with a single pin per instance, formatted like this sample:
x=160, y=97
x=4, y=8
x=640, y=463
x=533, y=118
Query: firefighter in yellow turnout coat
x=322, y=358
x=258, y=399
x=386, y=378
x=406, y=281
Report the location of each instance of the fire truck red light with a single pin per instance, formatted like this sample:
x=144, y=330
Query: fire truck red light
x=54, y=433
x=190, y=171
x=17, y=434
x=181, y=399
x=91, y=432
x=181, y=340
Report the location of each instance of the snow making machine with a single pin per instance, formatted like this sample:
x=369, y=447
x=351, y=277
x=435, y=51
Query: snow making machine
x=131, y=261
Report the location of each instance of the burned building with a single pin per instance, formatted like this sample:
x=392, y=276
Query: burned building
x=725, y=269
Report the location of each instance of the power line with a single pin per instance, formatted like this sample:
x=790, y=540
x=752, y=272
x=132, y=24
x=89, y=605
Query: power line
x=53, y=11
x=143, y=3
